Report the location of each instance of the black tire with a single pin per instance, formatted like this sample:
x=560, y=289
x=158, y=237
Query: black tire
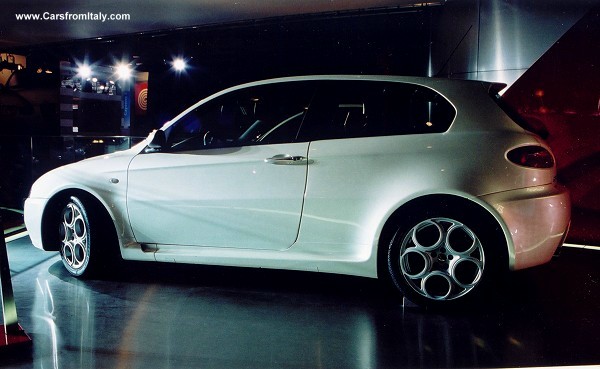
x=79, y=237
x=446, y=258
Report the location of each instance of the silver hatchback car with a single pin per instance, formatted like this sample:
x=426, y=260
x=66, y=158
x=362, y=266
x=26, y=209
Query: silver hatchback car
x=425, y=183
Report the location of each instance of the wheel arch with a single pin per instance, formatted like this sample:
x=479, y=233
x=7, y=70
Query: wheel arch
x=431, y=203
x=55, y=205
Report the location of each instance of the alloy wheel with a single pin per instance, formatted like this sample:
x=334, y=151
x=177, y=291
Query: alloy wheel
x=74, y=236
x=441, y=259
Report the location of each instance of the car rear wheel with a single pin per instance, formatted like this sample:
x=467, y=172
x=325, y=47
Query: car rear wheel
x=77, y=236
x=444, y=259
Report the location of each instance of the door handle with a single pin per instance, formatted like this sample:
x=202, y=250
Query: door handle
x=283, y=159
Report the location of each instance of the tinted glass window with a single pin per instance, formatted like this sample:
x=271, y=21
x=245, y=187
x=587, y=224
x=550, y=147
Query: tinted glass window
x=259, y=115
x=345, y=109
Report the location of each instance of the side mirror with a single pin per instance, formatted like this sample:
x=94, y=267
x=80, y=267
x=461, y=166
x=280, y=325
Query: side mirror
x=158, y=141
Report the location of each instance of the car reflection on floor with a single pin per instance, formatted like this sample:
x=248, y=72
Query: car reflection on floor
x=156, y=315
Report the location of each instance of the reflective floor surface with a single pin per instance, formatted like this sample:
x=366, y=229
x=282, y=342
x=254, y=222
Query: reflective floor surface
x=181, y=316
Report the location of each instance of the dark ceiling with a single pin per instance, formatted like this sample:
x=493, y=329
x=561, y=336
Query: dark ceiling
x=153, y=15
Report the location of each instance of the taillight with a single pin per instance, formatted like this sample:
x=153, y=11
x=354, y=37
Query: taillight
x=531, y=156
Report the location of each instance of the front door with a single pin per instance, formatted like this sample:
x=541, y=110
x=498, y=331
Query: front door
x=230, y=175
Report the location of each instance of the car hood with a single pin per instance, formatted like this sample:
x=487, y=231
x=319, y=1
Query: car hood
x=92, y=175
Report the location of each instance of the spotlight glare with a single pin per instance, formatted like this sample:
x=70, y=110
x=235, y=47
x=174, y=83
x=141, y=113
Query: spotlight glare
x=84, y=71
x=179, y=64
x=123, y=71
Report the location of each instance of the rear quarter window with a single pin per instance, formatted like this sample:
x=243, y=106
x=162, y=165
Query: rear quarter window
x=347, y=109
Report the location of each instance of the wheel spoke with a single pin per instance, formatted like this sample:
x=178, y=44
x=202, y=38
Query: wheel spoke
x=436, y=285
x=415, y=263
x=67, y=252
x=427, y=235
x=466, y=272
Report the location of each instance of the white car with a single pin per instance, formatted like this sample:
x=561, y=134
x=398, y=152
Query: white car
x=426, y=183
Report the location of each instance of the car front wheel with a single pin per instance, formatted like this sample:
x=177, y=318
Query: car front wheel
x=77, y=237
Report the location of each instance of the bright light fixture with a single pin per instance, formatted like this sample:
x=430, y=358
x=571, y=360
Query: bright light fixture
x=123, y=71
x=179, y=64
x=84, y=71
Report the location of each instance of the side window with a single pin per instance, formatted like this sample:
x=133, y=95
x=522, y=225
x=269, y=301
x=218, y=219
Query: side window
x=267, y=114
x=346, y=109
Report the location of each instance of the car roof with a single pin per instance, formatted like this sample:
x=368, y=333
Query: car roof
x=471, y=98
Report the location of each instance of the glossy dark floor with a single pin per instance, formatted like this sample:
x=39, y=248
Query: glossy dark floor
x=180, y=316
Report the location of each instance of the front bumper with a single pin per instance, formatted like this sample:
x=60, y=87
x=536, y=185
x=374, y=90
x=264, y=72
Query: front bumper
x=537, y=219
x=34, y=209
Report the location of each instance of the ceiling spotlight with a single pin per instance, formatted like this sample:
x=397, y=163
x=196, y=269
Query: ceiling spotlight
x=179, y=64
x=123, y=71
x=84, y=71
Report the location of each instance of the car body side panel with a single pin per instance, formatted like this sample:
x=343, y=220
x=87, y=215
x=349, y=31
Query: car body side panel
x=229, y=197
x=309, y=258
x=355, y=184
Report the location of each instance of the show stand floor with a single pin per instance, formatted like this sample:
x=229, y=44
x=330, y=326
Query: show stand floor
x=182, y=316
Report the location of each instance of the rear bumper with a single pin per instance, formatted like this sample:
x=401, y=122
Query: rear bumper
x=537, y=220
